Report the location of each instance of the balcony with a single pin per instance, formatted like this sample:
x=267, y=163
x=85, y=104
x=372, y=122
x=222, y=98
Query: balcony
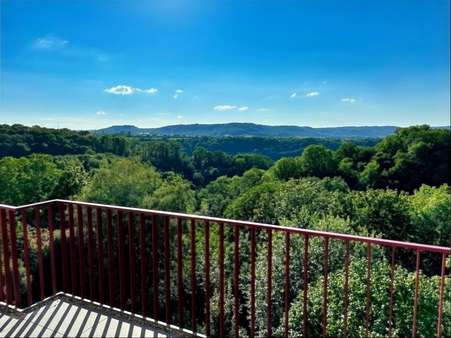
x=178, y=274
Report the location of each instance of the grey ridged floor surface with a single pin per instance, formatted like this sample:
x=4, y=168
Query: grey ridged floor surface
x=62, y=318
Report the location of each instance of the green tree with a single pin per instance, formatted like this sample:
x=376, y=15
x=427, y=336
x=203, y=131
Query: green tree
x=122, y=182
x=430, y=210
x=316, y=160
x=28, y=179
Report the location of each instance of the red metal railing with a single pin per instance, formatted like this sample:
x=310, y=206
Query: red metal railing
x=85, y=254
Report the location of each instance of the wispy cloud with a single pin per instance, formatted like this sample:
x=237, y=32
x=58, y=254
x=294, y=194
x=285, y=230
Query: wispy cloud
x=179, y=117
x=228, y=107
x=348, y=100
x=49, y=42
x=101, y=113
x=56, y=44
x=177, y=93
x=296, y=95
x=224, y=107
x=150, y=91
x=129, y=90
x=312, y=94
x=263, y=109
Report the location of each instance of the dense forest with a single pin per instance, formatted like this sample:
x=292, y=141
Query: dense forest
x=395, y=189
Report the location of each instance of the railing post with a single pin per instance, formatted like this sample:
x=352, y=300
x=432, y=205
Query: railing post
x=73, y=264
x=142, y=246
x=6, y=257
x=26, y=256
x=167, y=271
x=64, y=257
x=12, y=227
x=306, y=282
x=193, y=276
x=221, y=280
x=100, y=255
x=37, y=217
x=180, y=270
x=326, y=290
x=52, y=246
x=131, y=261
x=269, y=284
x=121, y=249
x=81, y=250
x=207, y=278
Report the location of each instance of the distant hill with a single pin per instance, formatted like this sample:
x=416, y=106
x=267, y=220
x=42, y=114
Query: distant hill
x=251, y=129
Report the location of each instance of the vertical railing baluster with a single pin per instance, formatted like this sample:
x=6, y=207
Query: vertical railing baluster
x=269, y=284
x=72, y=247
x=142, y=247
x=207, y=278
x=440, y=305
x=368, y=293
x=131, y=262
x=100, y=255
x=6, y=257
x=306, y=282
x=236, y=280
x=111, y=272
x=2, y=283
x=37, y=220
x=50, y=221
x=193, y=276
x=167, y=271
x=392, y=292
x=415, y=301
x=12, y=228
x=180, y=270
x=346, y=289
x=81, y=250
x=121, y=249
x=155, y=267
x=326, y=290
x=92, y=293
x=26, y=255
x=62, y=209
x=287, y=281
x=252, y=297
x=221, y=280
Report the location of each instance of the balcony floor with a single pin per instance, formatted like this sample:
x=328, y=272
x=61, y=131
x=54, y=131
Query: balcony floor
x=68, y=316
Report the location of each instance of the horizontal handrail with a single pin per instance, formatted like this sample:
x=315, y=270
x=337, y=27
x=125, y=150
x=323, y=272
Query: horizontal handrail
x=122, y=256
x=301, y=231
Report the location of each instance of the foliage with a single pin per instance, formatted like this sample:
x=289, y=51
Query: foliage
x=380, y=293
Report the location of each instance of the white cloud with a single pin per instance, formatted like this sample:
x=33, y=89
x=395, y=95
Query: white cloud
x=150, y=91
x=348, y=100
x=101, y=113
x=121, y=90
x=177, y=93
x=263, y=109
x=228, y=107
x=179, y=117
x=292, y=96
x=312, y=94
x=50, y=42
x=128, y=90
x=224, y=107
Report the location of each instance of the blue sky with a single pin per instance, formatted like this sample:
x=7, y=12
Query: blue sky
x=91, y=64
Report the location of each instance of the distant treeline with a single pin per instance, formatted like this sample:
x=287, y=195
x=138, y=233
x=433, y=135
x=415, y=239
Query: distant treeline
x=274, y=147
x=411, y=157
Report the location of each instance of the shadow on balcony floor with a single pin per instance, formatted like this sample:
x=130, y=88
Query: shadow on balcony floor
x=68, y=316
